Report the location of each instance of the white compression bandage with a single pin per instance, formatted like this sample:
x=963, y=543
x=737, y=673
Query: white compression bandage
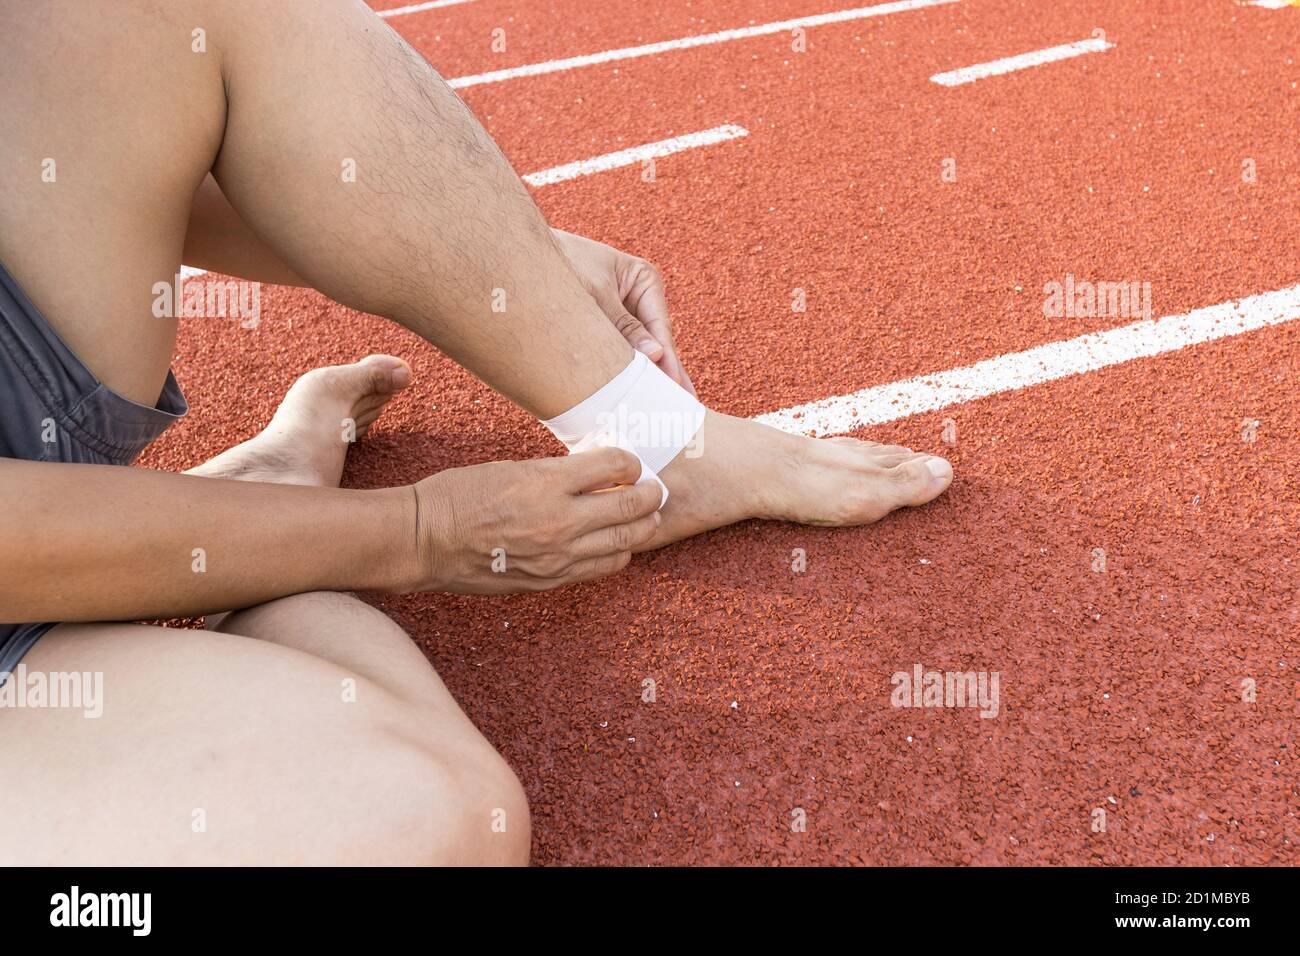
x=640, y=410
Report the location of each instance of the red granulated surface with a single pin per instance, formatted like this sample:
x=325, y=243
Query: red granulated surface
x=1120, y=689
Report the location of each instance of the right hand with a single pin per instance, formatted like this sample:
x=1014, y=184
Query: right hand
x=548, y=522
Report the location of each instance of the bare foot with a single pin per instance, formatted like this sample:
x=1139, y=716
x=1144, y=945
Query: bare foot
x=748, y=470
x=309, y=436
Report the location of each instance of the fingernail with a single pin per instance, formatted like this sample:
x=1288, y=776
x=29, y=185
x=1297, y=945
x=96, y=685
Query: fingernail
x=939, y=467
x=401, y=375
x=649, y=347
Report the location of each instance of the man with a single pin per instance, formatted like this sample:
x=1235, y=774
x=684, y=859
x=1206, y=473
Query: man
x=303, y=726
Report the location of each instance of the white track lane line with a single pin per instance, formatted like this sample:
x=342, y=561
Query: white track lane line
x=1271, y=4
x=600, y=164
x=1045, y=363
x=969, y=74
x=685, y=43
x=419, y=7
x=626, y=157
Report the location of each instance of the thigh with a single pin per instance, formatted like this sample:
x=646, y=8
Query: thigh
x=220, y=749
x=111, y=120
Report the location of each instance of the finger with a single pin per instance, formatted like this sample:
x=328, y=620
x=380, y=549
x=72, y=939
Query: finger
x=637, y=335
x=617, y=538
x=598, y=469
x=620, y=506
x=649, y=303
x=595, y=568
x=646, y=297
x=671, y=365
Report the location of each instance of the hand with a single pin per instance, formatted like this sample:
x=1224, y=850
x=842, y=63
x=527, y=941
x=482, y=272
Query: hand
x=631, y=293
x=532, y=525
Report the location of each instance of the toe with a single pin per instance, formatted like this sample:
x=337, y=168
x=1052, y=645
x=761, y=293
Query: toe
x=879, y=451
x=385, y=373
x=898, y=458
x=920, y=479
x=376, y=376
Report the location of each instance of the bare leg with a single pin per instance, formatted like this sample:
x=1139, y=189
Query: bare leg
x=217, y=749
x=308, y=438
x=304, y=445
x=435, y=229
x=310, y=730
x=288, y=101
x=280, y=98
x=443, y=224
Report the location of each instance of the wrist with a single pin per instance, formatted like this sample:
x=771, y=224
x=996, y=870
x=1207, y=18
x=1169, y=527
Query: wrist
x=387, y=528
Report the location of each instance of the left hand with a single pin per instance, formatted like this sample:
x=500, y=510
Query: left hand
x=630, y=291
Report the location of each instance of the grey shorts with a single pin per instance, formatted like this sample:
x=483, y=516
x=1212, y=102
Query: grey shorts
x=53, y=409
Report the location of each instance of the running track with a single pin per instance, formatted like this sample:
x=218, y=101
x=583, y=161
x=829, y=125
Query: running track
x=1120, y=689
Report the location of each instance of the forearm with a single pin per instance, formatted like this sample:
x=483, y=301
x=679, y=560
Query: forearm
x=218, y=240
x=98, y=542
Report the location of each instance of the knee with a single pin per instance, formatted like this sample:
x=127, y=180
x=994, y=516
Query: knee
x=450, y=807
x=494, y=809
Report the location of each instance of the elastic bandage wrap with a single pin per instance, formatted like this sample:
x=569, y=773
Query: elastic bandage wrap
x=640, y=410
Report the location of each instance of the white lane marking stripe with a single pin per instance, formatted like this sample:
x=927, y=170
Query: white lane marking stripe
x=599, y=164
x=1045, y=363
x=650, y=49
x=626, y=157
x=419, y=7
x=1271, y=4
x=969, y=74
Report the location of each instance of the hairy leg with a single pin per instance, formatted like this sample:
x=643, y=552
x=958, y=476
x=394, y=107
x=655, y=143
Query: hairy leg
x=364, y=172
x=350, y=157
x=436, y=224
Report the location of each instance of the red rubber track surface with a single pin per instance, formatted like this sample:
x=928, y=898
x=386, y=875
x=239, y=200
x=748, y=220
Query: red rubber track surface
x=1120, y=690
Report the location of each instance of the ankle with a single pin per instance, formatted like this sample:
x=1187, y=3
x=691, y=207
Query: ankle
x=725, y=468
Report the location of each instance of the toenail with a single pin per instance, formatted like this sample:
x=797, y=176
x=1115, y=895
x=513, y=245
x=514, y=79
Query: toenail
x=939, y=467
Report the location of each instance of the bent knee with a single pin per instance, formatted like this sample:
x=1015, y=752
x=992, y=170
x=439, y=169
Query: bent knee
x=495, y=808
x=442, y=807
